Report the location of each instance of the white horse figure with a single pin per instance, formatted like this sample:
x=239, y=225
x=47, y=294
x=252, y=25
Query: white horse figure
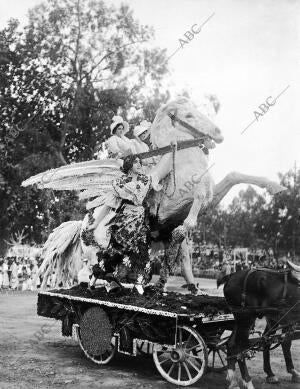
x=187, y=189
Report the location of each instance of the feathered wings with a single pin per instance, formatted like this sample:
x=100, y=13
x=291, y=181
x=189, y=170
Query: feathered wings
x=92, y=178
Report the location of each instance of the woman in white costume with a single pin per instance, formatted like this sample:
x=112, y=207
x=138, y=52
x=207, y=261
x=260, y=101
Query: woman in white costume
x=5, y=283
x=35, y=277
x=14, y=280
x=1, y=277
x=118, y=144
x=141, y=133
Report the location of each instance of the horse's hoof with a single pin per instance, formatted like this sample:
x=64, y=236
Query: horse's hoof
x=295, y=376
x=234, y=385
x=272, y=380
x=248, y=385
x=231, y=379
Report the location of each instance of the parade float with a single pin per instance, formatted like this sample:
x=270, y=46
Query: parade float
x=186, y=334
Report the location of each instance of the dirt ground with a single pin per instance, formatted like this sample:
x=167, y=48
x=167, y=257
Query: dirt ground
x=56, y=362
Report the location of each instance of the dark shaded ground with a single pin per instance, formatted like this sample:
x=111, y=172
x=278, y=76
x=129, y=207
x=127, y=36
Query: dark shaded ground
x=55, y=362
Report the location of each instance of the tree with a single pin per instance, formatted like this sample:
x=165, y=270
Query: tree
x=62, y=78
x=254, y=220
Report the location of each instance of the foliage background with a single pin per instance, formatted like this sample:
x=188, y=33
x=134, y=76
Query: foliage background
x=74, y=65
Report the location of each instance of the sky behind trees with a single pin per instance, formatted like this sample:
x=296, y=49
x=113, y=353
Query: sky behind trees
x=246, y=52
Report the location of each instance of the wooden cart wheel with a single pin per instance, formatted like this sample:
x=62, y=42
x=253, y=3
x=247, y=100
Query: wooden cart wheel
x=95, y=336
x=185, y=363
x=217, y=354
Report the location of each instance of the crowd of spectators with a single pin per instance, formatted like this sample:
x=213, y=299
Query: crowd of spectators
x=210, y=259
x=19, y=273
x=230, y=260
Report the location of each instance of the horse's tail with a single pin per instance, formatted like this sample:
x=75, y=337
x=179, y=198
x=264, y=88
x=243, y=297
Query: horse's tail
x=222, y=279
x=62, y=253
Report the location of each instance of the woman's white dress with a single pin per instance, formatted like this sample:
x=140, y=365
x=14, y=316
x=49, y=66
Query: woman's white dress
x=14, y=280
x=1, y=277
x=5, y=283
x=118, y=146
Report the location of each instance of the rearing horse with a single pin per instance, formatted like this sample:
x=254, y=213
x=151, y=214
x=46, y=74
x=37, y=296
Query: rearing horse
x=187, y=189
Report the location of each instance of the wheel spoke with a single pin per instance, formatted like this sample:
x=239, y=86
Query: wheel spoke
x=163, y=353
x=185, y=362
x=179, y=371
x=171, y=368
x=194, y=347
x=187, y=370
x=193, y=356
x=221, y=358
x=194, y=366
x=188, y=339
x=165, y=360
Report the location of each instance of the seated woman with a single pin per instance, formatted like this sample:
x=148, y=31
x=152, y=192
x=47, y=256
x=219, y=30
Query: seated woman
x=141, y=134
x=130, y=234
x=118, y=144
x=142, y=141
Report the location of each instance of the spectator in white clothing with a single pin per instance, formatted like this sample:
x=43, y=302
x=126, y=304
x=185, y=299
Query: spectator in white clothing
x=84, y=273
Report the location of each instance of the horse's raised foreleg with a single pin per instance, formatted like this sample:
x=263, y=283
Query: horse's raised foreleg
x=235, y=178
x=203, y=195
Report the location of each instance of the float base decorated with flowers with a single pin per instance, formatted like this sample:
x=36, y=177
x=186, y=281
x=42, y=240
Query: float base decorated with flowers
x=185, y=334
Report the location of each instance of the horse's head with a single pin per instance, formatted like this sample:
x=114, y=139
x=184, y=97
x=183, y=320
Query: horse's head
x=164, y=128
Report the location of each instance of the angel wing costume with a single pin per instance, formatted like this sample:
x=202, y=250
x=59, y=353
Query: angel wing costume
x=105, y=187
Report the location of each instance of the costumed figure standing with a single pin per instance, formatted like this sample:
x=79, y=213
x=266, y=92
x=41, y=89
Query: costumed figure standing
x=129, y=230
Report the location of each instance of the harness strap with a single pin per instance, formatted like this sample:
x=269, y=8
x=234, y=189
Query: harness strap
x=168, y=149
x=244, y=294
x=284, y=288
x=174, y=118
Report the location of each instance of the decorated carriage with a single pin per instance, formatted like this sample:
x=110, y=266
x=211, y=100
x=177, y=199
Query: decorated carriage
x=186, y=335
